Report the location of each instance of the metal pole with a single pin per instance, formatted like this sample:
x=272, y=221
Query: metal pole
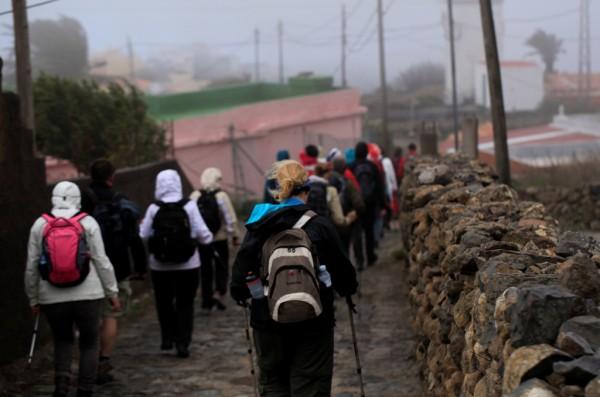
x=280, y=45
x=23, y=55
x=496, y=94
x=130, y=55
x=344, y=44
x=33, y=338
x=355, y=343
x=250, y=351
x=453, y=67
x=384, y=97
x=256, y=55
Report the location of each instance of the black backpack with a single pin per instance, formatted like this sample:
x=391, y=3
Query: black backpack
x=317, y=198
x=111, y=218
x=367, y=180
x=172, y=241
x=209, y=209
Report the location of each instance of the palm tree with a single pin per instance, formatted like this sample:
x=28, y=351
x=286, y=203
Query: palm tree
x=547, y=46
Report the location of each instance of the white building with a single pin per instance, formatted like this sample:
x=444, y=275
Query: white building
x=468, y=44
x=522, y=83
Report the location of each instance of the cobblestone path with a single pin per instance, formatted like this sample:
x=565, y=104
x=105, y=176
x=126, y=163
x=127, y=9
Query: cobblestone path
x=219, y=365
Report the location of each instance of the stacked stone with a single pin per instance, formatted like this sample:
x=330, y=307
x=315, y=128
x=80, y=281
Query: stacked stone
x=499, y=299
x=573, y=207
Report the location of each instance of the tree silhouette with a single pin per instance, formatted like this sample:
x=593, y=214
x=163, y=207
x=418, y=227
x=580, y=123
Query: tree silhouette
x=547, y=46
x=59, y=48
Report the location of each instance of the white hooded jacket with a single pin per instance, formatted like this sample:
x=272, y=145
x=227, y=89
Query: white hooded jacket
x=100, y=282
x=168, y=189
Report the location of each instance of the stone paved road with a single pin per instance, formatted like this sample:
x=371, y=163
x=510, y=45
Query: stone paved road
x=219, y=365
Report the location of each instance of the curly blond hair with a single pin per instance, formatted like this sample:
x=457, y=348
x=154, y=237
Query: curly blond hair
x=290, y=175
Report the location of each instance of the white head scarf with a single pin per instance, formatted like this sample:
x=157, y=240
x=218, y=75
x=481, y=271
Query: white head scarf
x=168, y=186
x=211, y=179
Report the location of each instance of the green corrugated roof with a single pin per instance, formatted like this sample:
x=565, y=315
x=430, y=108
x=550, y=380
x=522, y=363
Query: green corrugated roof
x=210, y=101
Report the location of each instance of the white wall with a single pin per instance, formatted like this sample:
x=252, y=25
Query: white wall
x=523, y=87
x=468, y=44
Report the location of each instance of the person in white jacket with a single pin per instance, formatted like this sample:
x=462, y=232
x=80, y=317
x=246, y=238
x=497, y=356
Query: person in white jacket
x=214, y=272
x=77, y=306
x=175, y=284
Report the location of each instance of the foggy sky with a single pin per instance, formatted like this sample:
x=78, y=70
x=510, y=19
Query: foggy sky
x=312, y=30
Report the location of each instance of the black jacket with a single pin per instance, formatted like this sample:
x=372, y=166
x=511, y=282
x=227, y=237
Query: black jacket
x=379, y=194
x=329, y=251
x=99, y=192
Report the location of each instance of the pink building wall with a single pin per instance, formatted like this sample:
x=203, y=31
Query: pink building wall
x=329, y=120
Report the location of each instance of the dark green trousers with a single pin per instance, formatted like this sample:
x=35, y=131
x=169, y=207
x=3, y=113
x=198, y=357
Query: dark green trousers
x=295, y=363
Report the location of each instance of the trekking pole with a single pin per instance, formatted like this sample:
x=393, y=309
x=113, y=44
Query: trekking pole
x=356, y=354
x=250, y=352
x=33, y=339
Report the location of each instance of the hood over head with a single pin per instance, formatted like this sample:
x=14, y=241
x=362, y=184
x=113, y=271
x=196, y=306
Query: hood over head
x=350, y=155
x=283, y=155
x=168, y=186
x=66, y=199
x=211, y=179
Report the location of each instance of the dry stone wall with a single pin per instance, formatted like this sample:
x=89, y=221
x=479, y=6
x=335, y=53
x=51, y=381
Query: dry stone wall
x=503, y=305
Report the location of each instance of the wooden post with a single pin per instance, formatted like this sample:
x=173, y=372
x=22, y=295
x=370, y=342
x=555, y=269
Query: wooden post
x=470, y=140
x=344, y=43
x=496, y=94
x=387, y=139
x=24, y=84
x=453, y=67
x=280, y=51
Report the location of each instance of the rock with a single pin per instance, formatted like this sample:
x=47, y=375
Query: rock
x=580, y=275
x=539, y=312
x=571, y=243
x=534, y=388
x=572, y=391
x=580, y=371
x=438, y=174
x=573, y=344
x=582, y=330
x=593, y=388
x=530, y=362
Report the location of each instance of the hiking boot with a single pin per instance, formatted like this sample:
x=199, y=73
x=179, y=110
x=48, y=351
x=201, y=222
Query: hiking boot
x=219, y=304
x=61, y=388
x=182, y=351
x=104, y=375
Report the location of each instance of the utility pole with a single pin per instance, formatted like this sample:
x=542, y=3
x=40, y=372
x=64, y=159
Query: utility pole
x=585, y=52
x=344, y=45
x=280, y=45
x=387, y=139
x=131, y=56
x=496, y=94
x=24, y=84
x=257, y=55
x=453, y=67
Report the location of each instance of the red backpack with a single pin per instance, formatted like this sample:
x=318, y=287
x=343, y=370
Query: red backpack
x=65, y=258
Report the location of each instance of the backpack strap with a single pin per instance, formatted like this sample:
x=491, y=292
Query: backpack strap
x=307, y=216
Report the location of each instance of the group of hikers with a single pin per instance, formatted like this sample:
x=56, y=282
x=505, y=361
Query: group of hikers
x=295, y=253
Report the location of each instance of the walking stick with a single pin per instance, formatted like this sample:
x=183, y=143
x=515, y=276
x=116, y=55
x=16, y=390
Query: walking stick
x=250, y=351
x=356, y=354
x=33, y=339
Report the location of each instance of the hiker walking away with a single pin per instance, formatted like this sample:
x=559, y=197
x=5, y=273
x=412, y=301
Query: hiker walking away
x=309, y=158
x=292, y=316
x=371, y=186
x=351, y=200
x=67, y=277
x=391, y=186
x=270, y=183
x=173, y=228
x=325, y=200
x=219, y=215
x=412, y=151
x=118, y=218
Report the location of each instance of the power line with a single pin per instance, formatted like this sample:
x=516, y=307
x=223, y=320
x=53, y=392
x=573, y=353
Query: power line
x=544, y=18
x=31, y=6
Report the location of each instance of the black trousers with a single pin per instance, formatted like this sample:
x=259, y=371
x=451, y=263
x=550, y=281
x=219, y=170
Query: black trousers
x=295, y=364
x=214, y=271
x=174, y=292
x=368, y=223
x=62, y=318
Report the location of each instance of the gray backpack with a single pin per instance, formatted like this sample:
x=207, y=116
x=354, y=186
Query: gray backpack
x=289, y=268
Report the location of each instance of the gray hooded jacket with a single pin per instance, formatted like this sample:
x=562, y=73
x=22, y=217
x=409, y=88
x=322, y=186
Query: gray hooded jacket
x=100, y=282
